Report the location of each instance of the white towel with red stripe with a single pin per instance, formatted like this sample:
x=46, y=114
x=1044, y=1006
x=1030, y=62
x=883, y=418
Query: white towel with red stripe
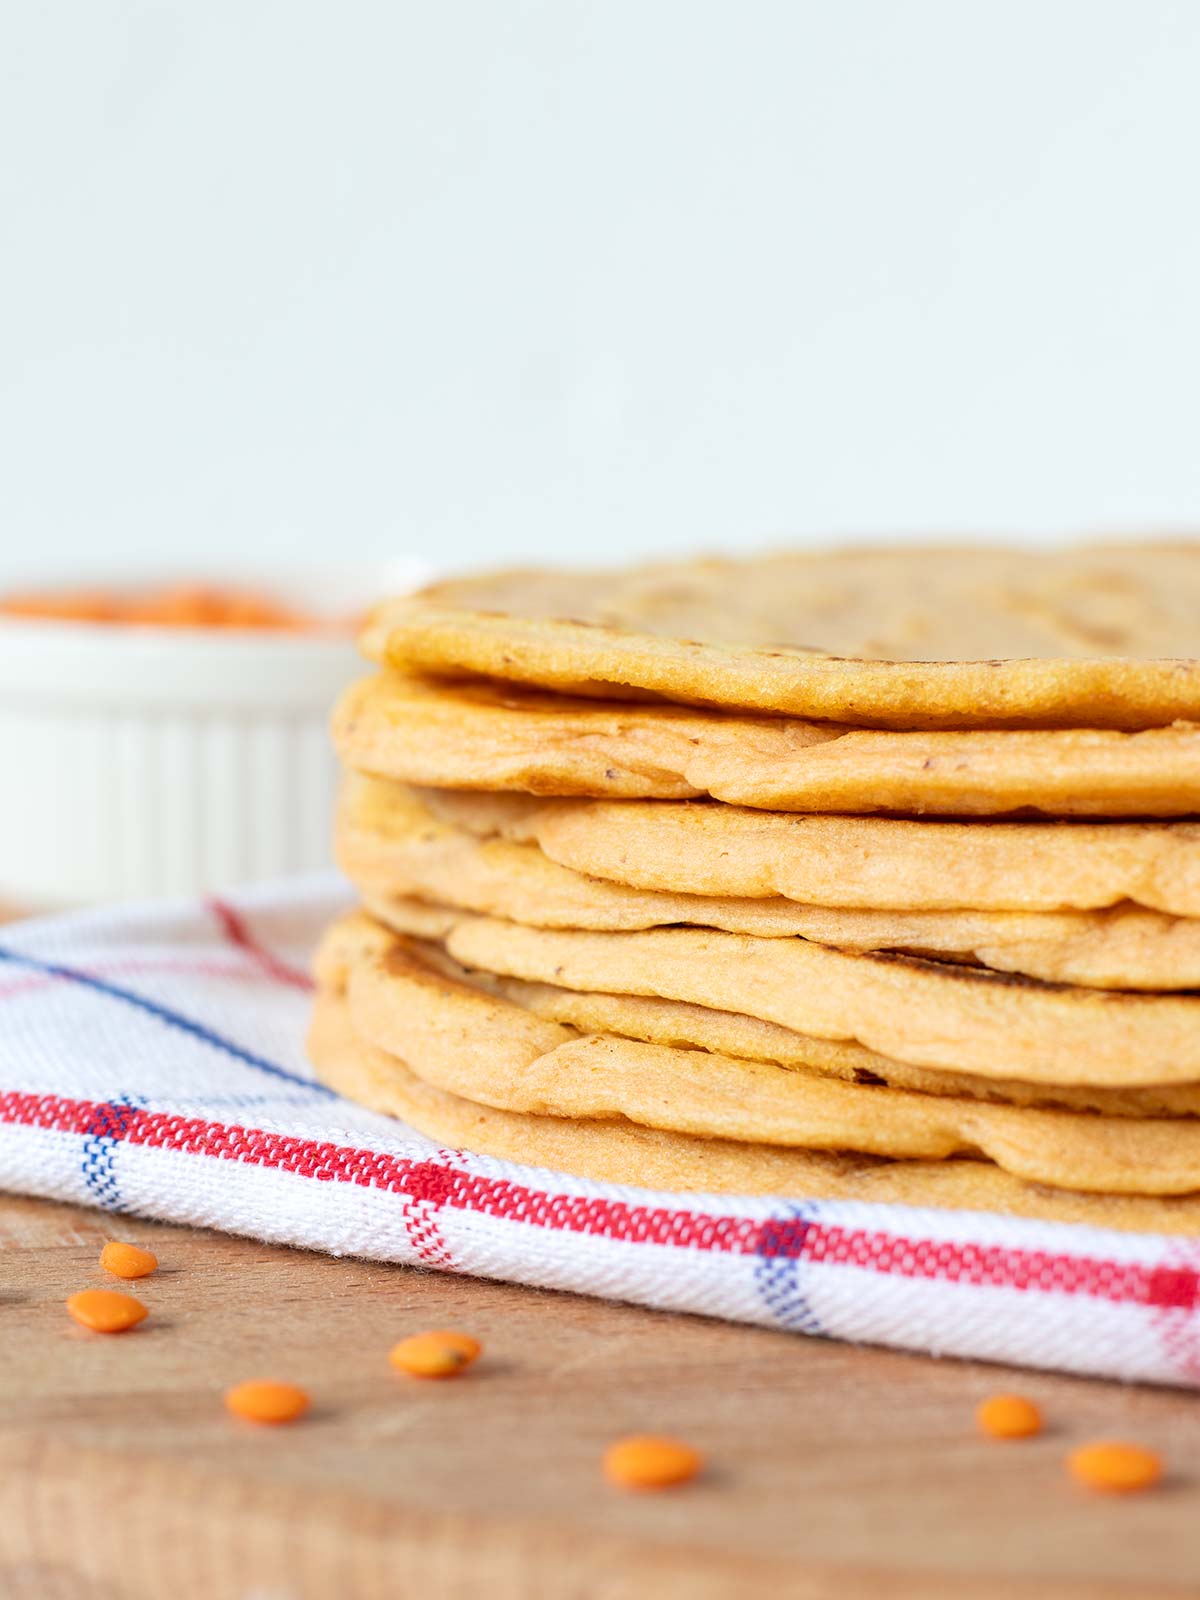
x=152, y=1062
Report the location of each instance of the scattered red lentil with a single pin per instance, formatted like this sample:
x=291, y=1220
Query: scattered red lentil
x=441, y=1354
x=646, y=1462
x=264, y=1400
x=127, y=1260
x=1114, y=1467
x=106, y=1310
x=1009, y=1416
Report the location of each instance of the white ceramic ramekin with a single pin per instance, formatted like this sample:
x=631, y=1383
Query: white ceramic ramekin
x=144, y=760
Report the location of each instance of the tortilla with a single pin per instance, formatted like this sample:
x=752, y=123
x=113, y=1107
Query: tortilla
x=728, y=1033
x=678, y=1022
x=1101, y=636
x=480, y=737
x=888, y=863
x=932, y=1014
x=402, y=849
x=615, y=1150
x=495, y=1052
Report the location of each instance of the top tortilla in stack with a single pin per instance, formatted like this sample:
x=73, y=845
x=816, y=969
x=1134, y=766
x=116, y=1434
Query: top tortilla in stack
x=1095, y=637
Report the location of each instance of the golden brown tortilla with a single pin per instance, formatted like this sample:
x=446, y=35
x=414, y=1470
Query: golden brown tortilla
x=495, y=1052
x=1104, y=636
x=479, y=737
x=401, y=848
x=615, y=1150
x=931, y=1014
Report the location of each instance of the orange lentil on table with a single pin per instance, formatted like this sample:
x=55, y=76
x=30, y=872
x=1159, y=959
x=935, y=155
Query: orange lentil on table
x=649, y=1462
x=1009, y=1416
x=1115, y=1467
x=265, y=1400
x=443, y=1353
x=106, y=1310
x=127, y=1260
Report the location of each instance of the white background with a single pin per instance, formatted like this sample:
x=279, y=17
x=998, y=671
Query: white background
x=287, y=282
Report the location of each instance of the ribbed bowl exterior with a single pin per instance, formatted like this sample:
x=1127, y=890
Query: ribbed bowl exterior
x=112, y=805
x=162, y=764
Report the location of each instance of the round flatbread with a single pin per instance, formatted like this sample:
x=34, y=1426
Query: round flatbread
x=391, y=844
x=479, y=737
x=1102, y=636
x=888, y=863
x=677, y=1022
x=614, y=1149
x=683, y=1023
x=932, y=1014
x=496, y=1052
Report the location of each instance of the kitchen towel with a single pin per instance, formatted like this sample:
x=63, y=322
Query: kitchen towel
x=152, y=1063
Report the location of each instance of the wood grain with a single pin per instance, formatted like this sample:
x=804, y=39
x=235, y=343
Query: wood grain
x=835, y=1471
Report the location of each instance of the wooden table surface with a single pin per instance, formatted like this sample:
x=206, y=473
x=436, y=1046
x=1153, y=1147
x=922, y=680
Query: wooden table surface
x=835, y=1471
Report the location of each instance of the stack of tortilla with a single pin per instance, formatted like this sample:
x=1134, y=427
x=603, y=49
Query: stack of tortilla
x=870, y=875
